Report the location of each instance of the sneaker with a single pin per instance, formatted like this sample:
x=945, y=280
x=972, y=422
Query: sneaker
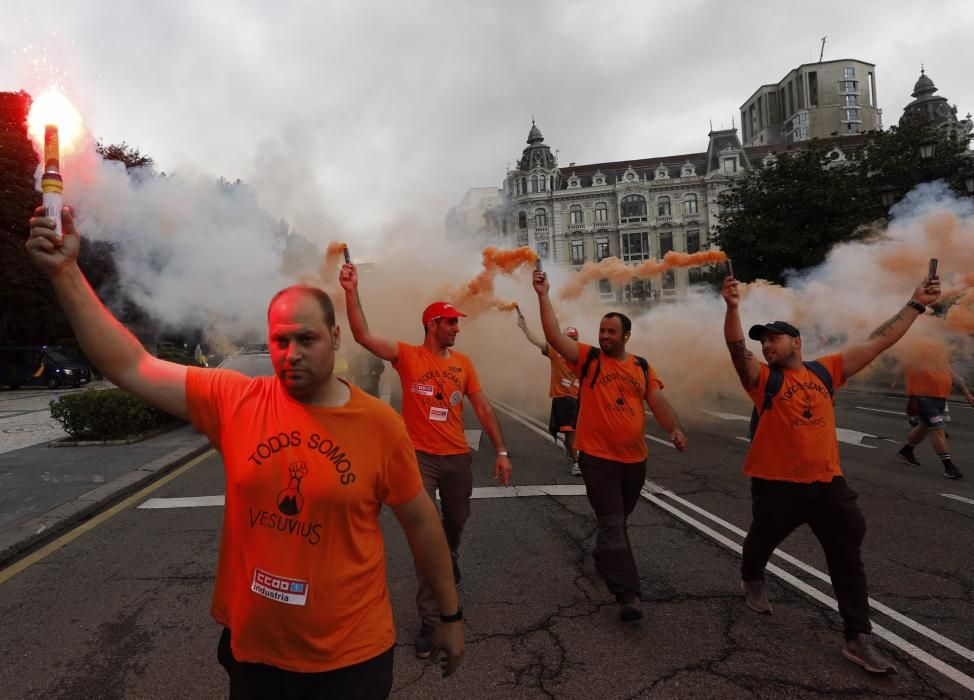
x=952, y=472
x=575, y=470
x=424, y=641
x=630, y=609
x=756, y=596
x=863, y=652
x=906, y=452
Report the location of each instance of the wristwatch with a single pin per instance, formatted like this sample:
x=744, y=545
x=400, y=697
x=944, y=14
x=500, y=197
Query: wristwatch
x=917, y=305
x=456, y=617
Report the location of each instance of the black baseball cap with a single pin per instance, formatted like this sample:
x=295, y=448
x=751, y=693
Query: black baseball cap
x=757, y=332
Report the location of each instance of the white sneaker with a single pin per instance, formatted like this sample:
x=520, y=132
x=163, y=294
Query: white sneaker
x=575, y=470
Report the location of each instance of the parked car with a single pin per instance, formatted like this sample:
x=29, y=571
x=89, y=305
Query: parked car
x=40, y=365
x=253, y=363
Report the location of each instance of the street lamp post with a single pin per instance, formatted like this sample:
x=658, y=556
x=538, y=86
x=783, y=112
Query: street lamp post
x=927, y=148
x=888, y=196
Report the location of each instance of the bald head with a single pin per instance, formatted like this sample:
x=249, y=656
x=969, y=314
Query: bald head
x=324, y=301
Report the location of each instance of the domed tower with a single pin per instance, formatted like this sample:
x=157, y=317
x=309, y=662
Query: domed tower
x=537, y=168
x=932, y=108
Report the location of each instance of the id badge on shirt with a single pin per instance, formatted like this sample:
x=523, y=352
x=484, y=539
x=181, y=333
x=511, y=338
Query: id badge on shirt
x=567, y=383
x=439, y=414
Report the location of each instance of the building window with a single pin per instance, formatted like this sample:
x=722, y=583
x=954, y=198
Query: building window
x=633, y=208
x=601, y=213
x=638, y=290
x=539, y=183
x=578, y=252
x=849, y=73
x=663, y=206
x=669, y=279
x=635, y=246
x=543, y=249
x=853, y=127
x=665, y=242
x=575, y=215
x=522, y=220
x=693, y=241
x=847, y=86
x=601, y=248
x=850, y=100
x=524, y=185
x=852, y=115
x=540, y=218
x=695, y=275
x=605, y=287
x=690, y=204
x=813, y=89
x=730, y=165
x=802, y=119
x=800, y=134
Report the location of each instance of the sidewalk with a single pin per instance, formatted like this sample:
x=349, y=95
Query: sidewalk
x=45, y=490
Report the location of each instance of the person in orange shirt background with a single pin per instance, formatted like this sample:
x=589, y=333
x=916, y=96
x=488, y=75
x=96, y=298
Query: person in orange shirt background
x=563, y=391
x=928, y=384
x=308, y=459
x=793, y=460
x=610, y=437
x=434, y=379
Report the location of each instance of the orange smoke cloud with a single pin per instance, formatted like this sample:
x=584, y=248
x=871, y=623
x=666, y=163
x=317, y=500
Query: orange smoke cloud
x=619, y=272
x=960, y=316
x=477, y=295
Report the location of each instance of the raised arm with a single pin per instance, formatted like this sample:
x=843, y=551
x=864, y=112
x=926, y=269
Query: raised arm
x=106, y=342
x=565, y=346
x=380, y=347
x=747, y=366
x=421, y=524
x=858, y=356
x=488, y=421
x=540, y=344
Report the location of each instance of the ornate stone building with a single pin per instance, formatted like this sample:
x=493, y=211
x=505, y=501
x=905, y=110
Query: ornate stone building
x=935, y=108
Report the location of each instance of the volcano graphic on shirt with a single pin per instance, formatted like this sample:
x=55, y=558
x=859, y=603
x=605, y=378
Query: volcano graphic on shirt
x=290, y=501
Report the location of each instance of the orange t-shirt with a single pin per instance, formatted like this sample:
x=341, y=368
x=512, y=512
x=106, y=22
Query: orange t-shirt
x=563, y=380
x=611, y=415
x=301, y=576
x=796, y=438
x=927, y=381
x=432, y=397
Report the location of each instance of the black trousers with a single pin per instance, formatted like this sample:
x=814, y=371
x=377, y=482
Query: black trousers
x=369, y=680
x=778, y=507
x=613, y=489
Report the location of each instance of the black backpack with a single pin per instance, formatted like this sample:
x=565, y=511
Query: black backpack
x=593, y=356
x=776, y=379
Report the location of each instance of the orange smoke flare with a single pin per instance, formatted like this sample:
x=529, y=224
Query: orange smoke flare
x=477, y=295
x=617, y=271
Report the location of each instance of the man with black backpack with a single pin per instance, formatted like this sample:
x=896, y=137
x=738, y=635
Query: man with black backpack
x=610, y=437
x=793, y=460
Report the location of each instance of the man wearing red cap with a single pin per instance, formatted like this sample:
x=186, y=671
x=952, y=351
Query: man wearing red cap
x=434, y=380
x=563, y=392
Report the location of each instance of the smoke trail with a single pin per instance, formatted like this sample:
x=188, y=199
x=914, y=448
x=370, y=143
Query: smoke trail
x=478, y=295
x=619, y=272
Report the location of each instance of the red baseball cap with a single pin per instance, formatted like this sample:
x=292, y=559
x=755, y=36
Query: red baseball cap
x=440, y=309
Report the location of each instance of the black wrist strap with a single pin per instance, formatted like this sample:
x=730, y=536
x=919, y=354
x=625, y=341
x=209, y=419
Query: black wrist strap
x=917, y=305
x=456, y=617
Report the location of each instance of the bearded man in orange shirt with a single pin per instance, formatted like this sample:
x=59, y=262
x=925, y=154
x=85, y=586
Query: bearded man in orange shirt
x=308, y=459
x=793, y=460
x=611, y=437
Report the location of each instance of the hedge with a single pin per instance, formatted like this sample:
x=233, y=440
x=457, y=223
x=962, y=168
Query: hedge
x=107, y=414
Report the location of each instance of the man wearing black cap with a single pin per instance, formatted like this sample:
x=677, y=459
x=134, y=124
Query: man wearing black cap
x=563, y=391
x=793, y=460
x=434, y=380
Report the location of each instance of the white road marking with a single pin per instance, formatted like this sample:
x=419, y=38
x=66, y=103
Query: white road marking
x=881, y=410
x=473, y=438
x=958, y=498
x=850, y=437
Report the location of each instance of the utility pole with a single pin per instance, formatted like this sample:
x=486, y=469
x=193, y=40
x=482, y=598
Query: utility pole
x=822, y=52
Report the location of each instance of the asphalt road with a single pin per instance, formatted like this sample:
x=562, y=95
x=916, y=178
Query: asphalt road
x=121, y=611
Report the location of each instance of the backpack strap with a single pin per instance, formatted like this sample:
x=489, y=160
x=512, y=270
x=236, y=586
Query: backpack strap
x=818, y=369
x=593, y=356
x=644, y=366
x=775, y=379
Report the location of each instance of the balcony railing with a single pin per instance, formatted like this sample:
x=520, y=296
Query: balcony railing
x=670, y=293
x=576, y=227
x=664, y=218
x=691, y=215
x=540, y=231
x=522, y=238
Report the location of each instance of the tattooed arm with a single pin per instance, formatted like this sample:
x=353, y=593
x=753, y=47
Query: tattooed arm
x=747, y=366
x=856, y=357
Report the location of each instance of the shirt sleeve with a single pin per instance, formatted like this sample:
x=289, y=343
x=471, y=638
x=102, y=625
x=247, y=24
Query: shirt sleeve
x=403, y=356
x=833, y=363
x=655, y=383
x=582, y=354
x=401, y=481
x=208, y=394
x=473, y=381
x=757, y=393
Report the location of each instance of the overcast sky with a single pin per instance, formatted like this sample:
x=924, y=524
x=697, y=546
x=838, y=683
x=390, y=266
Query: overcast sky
x=393, y=109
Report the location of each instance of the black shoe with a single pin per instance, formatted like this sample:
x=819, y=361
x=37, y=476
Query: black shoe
x=906, y=452
x=756, y=596
x=952, y=472
x=424, y=641
x=863, y=652
x=629, y=607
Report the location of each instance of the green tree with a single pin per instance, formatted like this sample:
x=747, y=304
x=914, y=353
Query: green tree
x=788, y=214
x=129, y=156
